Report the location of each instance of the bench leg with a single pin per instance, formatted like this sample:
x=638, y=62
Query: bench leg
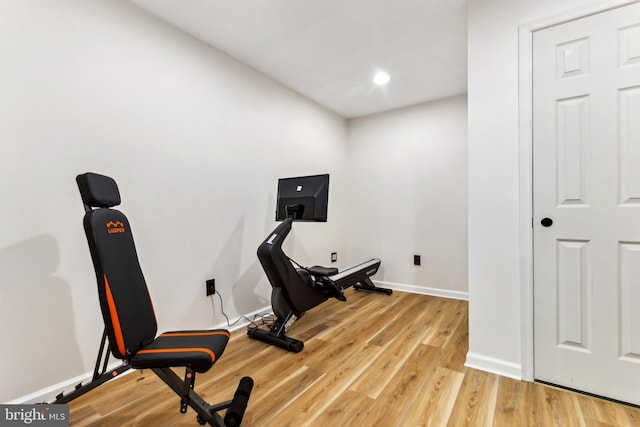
x=208, y=413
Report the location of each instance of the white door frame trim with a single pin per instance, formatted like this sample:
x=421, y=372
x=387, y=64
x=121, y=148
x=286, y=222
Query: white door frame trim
x=525, y=126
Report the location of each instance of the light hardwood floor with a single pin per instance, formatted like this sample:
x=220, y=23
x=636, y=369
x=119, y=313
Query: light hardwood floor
x=375, y=360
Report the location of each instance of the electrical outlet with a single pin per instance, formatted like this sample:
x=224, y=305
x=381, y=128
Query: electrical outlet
x=334, y=256
x=211, y=286
x=416, y=260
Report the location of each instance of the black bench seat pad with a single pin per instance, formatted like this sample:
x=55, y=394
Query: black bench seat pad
x=197, y=349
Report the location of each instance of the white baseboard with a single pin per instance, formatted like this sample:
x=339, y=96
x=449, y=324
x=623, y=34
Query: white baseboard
x=495, y=366
x=49, y=394
x=422, y=290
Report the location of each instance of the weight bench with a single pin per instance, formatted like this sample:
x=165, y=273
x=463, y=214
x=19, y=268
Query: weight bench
x=129, y=317
x=297, y=289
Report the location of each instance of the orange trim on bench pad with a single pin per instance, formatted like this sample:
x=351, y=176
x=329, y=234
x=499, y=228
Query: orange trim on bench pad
x=195, y=334
x=115, y=320
x=179, y=350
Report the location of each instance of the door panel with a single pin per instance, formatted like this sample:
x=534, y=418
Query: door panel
x=629, y=105
x=630, y=300
x=572, y=123
x=574, y=296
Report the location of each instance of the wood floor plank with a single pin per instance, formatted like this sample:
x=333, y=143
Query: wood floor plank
x=598, y=410
x=348, y=409
x=476, y=402
x=374, y=380
x=515, y=404
x=452, y=315
x=396, y=402
x=375, y=360
x=627, y=416
x=402, y=314
x=557, y=406
x=279, y=398
x=608, y=413
x=454, y=347
x=436, y=402
x=331, y=385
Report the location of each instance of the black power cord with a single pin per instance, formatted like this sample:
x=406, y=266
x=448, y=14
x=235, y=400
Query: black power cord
x=266, y=319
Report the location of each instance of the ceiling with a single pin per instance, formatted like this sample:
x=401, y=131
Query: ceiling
x=329, y=50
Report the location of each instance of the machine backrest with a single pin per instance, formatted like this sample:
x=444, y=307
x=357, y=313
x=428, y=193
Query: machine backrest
x=126, y=306
x=282, y=274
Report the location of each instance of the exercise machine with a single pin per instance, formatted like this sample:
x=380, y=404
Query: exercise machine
x=129, y=317
x=296, y=289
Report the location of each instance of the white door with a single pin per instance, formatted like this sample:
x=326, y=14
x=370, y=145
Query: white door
x=586, y=163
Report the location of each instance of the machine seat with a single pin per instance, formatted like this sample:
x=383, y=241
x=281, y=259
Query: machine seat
x=317, y=270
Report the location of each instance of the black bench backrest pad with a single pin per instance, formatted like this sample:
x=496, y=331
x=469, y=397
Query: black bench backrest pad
x=125, y=302
x=98, y=190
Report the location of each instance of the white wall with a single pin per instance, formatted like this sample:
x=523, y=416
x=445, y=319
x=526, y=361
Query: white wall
x=408, y=175
x=499, y=254
x=196, y=142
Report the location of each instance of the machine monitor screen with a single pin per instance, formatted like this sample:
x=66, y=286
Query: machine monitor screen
x=304, y=197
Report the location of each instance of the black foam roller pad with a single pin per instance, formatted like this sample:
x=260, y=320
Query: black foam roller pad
x=234, y=414
x=245, y=386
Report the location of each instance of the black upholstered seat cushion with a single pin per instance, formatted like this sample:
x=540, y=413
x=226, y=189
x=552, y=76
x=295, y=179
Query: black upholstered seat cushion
x=317, y=270
x=197, y=349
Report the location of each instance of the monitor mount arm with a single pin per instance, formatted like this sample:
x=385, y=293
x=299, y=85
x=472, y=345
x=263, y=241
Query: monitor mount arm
x=294, y=211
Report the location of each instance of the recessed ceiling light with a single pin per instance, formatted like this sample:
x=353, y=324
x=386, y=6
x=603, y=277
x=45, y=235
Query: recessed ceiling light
x=381, y=78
